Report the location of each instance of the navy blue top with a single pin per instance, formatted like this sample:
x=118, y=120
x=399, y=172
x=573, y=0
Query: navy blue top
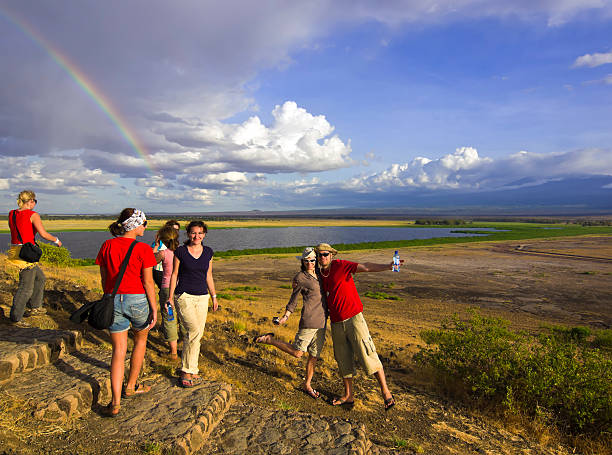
x=192, y=272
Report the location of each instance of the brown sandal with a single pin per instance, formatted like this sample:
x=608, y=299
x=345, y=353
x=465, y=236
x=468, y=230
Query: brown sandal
x=111, y=410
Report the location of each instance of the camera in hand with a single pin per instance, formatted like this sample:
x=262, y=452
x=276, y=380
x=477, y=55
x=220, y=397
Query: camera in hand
x=275, y=320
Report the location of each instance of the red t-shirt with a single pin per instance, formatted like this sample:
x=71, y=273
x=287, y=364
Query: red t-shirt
x=111, y=255
x=343, y=300
x=26, y=228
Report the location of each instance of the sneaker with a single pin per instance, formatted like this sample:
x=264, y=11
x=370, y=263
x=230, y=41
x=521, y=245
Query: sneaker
x=36, y=312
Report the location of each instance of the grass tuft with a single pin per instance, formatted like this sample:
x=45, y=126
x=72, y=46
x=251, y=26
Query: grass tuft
x=378, y=295
x=245, y=288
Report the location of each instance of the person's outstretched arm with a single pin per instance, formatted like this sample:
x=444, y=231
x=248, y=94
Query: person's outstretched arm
x=373, y=267
x=36, y=221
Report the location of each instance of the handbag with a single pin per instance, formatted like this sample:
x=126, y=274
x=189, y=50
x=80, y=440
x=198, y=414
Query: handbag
x=100, y=314
x=29, y=252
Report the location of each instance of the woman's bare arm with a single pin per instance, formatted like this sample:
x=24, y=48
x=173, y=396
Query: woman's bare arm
x=173, y=279
x=37, y=222
x=210, y=282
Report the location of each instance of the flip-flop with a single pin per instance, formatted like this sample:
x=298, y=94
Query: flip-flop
x=138, y=390
x=313, y=393
x=344, y=403
x=389, y=403
x=257, y=337
x=186, y=383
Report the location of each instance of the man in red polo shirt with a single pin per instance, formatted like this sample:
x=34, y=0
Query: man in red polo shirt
x=350, y=332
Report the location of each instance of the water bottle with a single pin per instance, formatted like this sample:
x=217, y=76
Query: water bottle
x=396, y=262
x=170, y=312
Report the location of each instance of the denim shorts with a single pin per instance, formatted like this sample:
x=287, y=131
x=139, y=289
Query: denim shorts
x=130, y=308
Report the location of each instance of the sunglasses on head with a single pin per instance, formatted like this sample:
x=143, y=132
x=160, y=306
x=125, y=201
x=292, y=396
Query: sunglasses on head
x=323, y=254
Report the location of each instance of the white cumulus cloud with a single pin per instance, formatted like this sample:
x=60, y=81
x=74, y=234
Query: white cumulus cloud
x=466, y=170
x=593, y=60
x=296, y=141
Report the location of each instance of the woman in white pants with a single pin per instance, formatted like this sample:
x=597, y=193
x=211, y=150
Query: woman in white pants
x=191, y=287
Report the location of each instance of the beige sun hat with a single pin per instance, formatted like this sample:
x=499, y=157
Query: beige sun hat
x=325, y=247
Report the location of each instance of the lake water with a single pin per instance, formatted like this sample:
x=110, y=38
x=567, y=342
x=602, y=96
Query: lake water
x=86, y=244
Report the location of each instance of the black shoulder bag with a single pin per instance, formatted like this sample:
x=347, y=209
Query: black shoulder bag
x=100, y=314
x=29, y=252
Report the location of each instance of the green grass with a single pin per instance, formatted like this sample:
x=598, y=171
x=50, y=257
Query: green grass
x=405, y=445
x=239, y=327
x=244, y=288
x=284, y=406
x=380, y=296
x=225, y=296
x=286, y=286
x=152, y=448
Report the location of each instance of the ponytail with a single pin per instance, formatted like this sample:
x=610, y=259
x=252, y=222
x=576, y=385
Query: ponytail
x=116, y=228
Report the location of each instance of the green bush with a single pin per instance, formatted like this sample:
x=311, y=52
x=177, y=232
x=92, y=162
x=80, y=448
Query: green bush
x=571, y=333
x=603, y=339
x=60, y=256
x=553, y=374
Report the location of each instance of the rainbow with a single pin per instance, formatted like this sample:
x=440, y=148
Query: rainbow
x=85, y=84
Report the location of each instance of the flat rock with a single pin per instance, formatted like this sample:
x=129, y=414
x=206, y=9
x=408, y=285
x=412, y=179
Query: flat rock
x=249, y=429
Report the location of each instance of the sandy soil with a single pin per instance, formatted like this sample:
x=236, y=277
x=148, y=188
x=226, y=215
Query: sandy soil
x=519, y=282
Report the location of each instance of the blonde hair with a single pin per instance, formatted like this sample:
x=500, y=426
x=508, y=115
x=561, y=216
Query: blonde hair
x=24, y=197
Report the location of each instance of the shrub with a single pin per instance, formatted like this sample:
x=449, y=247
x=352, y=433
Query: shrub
x=554, y=374
x=603, y=339
x=54, y=255
x=571, y=333
x=60, y=256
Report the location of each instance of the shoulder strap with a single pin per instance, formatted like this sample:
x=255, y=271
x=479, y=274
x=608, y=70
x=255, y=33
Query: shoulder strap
x=15, y=225
x=123, y=267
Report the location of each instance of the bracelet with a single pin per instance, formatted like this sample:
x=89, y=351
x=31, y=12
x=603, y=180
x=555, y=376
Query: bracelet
x=57, y=240
x=214, y=296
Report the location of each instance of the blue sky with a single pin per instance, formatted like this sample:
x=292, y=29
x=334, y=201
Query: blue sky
x=277, y=105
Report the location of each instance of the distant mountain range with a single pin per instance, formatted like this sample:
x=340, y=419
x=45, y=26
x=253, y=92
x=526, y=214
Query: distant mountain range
x=568, y=196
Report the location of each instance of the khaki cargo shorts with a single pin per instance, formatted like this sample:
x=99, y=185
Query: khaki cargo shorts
x=310, y=340
x=352, y=339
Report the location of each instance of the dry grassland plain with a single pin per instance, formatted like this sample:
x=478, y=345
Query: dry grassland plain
x=80, y=224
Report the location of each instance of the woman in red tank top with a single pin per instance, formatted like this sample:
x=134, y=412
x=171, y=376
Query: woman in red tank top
x=26, y=223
